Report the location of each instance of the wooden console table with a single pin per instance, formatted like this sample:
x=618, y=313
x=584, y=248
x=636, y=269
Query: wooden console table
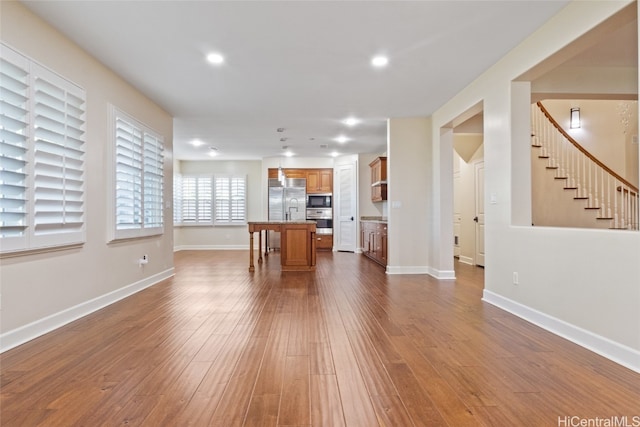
x=297, y=243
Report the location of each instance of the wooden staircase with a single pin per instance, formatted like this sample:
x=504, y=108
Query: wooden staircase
x=610, y=197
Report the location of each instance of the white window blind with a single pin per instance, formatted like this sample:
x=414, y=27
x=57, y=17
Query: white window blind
x=42, y=150
x=58, y=157
x=139, y=177
x=200, y=199
x=230, y=199
x=177, y=199
x=194, y=206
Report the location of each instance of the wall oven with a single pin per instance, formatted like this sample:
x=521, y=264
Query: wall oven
x=323, y=218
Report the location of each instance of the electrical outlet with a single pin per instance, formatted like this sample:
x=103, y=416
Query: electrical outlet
x=144, y=260
x=515, y=278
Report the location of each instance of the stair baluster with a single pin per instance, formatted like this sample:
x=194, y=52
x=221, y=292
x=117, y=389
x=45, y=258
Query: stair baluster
x=607, y=194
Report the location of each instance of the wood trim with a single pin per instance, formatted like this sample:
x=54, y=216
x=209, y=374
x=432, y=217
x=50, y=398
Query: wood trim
x=584, y=150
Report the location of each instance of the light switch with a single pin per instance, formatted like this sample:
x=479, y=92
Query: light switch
x=396, y=204
x=493, y=198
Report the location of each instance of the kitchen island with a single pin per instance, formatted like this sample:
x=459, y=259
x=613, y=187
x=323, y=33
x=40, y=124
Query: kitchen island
x=297, y=243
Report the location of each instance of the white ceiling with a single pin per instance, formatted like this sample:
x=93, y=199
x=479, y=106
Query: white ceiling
x=300, y=65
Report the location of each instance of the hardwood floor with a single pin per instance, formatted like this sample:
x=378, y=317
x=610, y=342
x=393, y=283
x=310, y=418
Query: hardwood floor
x=344, y=346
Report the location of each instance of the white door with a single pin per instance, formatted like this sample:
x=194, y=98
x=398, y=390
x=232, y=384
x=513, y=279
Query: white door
x=345, y=230
x=457, y=213
x=479, y=218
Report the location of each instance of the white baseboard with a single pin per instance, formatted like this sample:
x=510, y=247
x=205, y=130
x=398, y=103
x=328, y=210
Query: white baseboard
x=466, y=260
x=21, y=335
x=438, y=274
x=619, y=353
x=410, y=269
x=442, y=274
x=212, y=248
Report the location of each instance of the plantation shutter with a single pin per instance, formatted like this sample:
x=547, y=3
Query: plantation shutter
x=238, y=199
x=189, y=199
x=230, y=199
x=128, y=175
x=194, y=206
x=153, y=178
x=14, y=125
x=42, y=150
x=204, y=199
x=59, y=150
x=139, y=179
x=177, y=199
x=222, y=203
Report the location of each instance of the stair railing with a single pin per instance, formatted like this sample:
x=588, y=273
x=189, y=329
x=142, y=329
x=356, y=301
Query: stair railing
x=613, y=198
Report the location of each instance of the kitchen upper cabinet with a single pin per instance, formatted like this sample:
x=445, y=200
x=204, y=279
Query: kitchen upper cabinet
x=378, y=179
x=319, y=181
x=296, y=173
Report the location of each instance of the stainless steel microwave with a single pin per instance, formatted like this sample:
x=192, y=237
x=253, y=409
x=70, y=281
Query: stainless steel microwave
x=319, y=200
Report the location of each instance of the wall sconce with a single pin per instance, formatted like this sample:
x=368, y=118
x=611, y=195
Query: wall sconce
x=575, y=119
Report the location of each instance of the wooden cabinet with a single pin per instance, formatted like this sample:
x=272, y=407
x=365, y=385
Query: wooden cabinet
x=373, y=236
x=295, y=173
x=297, y=241
x=378, y=179
x=319, y=181
x=324, y=241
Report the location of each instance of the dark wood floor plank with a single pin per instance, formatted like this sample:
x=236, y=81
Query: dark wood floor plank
x=346, y=345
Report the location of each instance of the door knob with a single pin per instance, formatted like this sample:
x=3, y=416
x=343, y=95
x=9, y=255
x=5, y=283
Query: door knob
x=475, y=218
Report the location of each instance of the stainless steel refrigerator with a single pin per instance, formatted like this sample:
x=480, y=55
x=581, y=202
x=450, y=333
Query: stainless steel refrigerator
x=287, y=202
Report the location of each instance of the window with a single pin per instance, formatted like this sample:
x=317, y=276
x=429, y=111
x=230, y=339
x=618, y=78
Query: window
x=194, y=204
x=209, y=200
x=42, y=150
x=230, y=199
x=139, y=176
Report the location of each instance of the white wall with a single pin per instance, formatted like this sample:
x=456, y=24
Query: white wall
x=583, y=284
x=367, y=207
x=408, y=194
x=45, y=290
x=602, y=132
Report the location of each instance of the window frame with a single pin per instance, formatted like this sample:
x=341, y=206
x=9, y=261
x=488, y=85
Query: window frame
x=212, y=217
x=54, y=159
x=139, y=226
x=230, y=199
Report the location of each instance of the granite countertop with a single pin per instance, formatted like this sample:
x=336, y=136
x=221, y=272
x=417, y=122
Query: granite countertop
x=374, y=219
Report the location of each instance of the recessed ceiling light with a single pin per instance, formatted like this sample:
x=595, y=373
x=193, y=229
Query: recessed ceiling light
x=341, y=139
x=288, y=154
x=197, y=143
x=351, y=121
x=334, y=154
x=379, y=61
x=215, y=58
x=213, y=151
